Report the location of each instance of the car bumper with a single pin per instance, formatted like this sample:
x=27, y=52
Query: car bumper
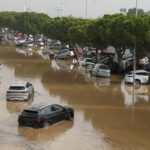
x=29, y=124
x=17, y=98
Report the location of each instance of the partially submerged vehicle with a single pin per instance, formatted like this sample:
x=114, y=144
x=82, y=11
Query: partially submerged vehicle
x=21, y=90
x=41, y=115
x=109, y=59
x=86, y=61
x=141, y=77
x=20, y=42
x=101, y=70
x=62, y=54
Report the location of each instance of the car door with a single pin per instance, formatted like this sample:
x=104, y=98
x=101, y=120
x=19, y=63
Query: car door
x=48, y=114
x=58, y=113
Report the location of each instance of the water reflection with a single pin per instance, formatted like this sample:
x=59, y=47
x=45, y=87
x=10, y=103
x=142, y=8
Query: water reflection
x=18, y=106
x=25, y=51
x=43, y=55
x=45, y=135
x=61, y=66
x=97, y=82
x=140, y=94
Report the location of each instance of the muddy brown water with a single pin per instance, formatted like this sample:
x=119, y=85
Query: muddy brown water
x=107, y=115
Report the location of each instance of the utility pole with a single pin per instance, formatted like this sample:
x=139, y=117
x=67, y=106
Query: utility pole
x=86, y=8
x=134, y=63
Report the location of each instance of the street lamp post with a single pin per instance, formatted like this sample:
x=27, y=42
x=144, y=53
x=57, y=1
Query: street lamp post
x=136, y=9
x=86, y=9
x=134, y=68
x=134, y=65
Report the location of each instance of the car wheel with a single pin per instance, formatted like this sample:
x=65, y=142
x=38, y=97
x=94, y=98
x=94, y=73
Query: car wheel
x=137, y=82
x=69, y=116
x=55, y=57
x=45, y=124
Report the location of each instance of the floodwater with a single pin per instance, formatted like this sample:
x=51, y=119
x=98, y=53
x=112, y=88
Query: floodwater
x=107, y=115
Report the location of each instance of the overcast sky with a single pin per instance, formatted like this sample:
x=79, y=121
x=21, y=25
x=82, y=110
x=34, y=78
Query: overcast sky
x=76, y=8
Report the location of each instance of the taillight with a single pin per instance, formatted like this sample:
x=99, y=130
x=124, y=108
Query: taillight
x=35, y=118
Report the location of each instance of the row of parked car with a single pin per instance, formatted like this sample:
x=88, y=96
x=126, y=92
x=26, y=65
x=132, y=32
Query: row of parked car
x=39, y=115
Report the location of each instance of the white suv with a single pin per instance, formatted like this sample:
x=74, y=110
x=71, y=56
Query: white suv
x=141, y=77
x=20, y=91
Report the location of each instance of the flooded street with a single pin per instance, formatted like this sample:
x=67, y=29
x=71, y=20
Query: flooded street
x=107, y=116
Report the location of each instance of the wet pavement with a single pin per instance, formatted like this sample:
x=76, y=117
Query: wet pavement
x=107, y=115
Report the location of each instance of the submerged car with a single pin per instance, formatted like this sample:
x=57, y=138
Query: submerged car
x=21, y=90
x=101, y=70
x=42, y=115
x=86, y=62
x=63, y=54
x=141, y=77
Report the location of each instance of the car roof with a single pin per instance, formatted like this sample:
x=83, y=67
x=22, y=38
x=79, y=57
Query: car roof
x=19, y=83
x=140, y=71
x=38, y=107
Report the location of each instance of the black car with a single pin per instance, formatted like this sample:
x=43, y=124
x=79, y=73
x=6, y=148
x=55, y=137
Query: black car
x=41, y=115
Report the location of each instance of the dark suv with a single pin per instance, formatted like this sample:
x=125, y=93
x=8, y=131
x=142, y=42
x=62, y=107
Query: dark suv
x=44, y=115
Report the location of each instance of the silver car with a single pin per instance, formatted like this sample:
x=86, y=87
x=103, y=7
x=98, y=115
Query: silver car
x=20, y=91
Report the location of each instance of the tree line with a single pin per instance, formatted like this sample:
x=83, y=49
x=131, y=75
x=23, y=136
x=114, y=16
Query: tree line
x=118, y=30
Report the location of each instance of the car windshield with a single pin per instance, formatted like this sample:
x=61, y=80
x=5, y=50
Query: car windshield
x=17, y=88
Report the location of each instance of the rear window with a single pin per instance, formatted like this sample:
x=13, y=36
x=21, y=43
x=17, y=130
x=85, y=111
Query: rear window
x=17, y=88
x=29, y=113
x=104, y=67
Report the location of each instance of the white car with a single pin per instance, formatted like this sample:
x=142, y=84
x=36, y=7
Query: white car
x=86, y=62
x=141, y=77
x=20, y=91
x=20, y=42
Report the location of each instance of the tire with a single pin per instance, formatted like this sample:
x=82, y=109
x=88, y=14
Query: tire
x=55, y=57
x=137, y=82
x=69, y=116
x=45, y=124
x=20, y=125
